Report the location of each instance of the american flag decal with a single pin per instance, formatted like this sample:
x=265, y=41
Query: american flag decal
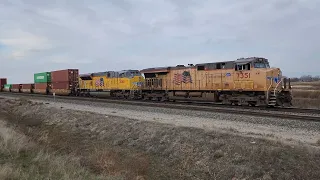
x=185, y=77
x=99, y=82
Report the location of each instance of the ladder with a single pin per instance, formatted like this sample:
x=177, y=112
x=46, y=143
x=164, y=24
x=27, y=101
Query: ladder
x=272, y=93
x=272, y=101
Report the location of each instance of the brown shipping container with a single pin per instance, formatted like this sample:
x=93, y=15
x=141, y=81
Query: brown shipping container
x=16, y=86
x=27, y=86
x=3, y=81
x=70, y=75
x=61, y=85
x=61, y=88
x=40, y=86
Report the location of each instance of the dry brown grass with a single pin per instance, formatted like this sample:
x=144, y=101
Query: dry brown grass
x=306, y=94
x=143, y=150
x=20, y=158
x=306, y=103
x=110, y=162
x=315, y=83
x=70, y=149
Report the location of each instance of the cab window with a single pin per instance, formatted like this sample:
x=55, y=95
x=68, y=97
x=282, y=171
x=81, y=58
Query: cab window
x=261, y=65
x=241, y=67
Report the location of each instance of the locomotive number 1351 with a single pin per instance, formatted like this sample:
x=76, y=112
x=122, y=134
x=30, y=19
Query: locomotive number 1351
x=243, y=75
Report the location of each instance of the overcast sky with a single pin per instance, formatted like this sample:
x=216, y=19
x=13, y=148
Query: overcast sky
x=99, y=35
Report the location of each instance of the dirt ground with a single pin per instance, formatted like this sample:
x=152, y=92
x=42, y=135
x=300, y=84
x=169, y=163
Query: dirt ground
x=118, y=147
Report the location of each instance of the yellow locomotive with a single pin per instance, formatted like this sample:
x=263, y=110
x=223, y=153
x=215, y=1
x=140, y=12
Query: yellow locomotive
x=245, y=81
x=123, y=84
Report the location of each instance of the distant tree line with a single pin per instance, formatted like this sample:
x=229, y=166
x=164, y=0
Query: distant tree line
x=305, y=78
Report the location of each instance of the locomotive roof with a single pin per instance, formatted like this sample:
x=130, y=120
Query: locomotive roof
x=167, y=68
x=201, y=64
x=249, y=59
x=106, y=72
x=85, y=75
x=155, y=69
x=129, y=70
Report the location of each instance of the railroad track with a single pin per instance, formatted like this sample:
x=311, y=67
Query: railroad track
x=200, y=106
x=278, y=109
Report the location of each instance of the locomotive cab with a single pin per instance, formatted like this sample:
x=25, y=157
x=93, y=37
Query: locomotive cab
x=276, y=88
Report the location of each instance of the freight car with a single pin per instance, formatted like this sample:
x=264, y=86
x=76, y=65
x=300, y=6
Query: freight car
x=26, y=88
x=42, y=83
x=122, y=84
x=245, y=81
x=64, y=82
x=16, y=88
x=7, y=88
x=61, y=82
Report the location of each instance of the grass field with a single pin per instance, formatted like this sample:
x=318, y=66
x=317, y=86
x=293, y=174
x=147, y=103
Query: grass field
x=37, y=142
x=306, y=94
x=21, y=158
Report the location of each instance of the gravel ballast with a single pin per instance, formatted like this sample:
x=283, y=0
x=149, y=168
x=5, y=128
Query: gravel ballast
x=291, y=131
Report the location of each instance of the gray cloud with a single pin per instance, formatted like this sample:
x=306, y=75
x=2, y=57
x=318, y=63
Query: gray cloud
x=120, y=34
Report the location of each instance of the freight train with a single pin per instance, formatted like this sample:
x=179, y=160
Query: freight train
x=245, y=81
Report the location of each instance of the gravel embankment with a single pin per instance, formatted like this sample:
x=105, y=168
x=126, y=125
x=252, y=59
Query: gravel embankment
x=272, y=128
x=131, y=141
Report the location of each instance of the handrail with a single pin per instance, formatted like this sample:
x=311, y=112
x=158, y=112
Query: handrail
x=271, y=82
x=274, y=92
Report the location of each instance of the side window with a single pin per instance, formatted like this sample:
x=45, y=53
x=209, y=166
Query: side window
x=221, y=65
x=200, y=68
x=242, y=67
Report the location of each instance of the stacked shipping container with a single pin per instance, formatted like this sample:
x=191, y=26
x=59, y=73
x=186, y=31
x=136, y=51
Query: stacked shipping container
x=7, y=87
x=64, y=81
x=61, y=82
x=15, y=87
x=3, y=81
x=27, y=88
x=42, y=82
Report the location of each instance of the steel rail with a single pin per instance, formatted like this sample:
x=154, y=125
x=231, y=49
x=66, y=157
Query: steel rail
x=181, y=106
x=202, y=103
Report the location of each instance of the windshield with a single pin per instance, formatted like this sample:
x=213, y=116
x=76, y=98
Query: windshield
x=261, y=65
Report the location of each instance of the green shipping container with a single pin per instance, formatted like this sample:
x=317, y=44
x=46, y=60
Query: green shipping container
x=44, y=77
x=8, y=86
